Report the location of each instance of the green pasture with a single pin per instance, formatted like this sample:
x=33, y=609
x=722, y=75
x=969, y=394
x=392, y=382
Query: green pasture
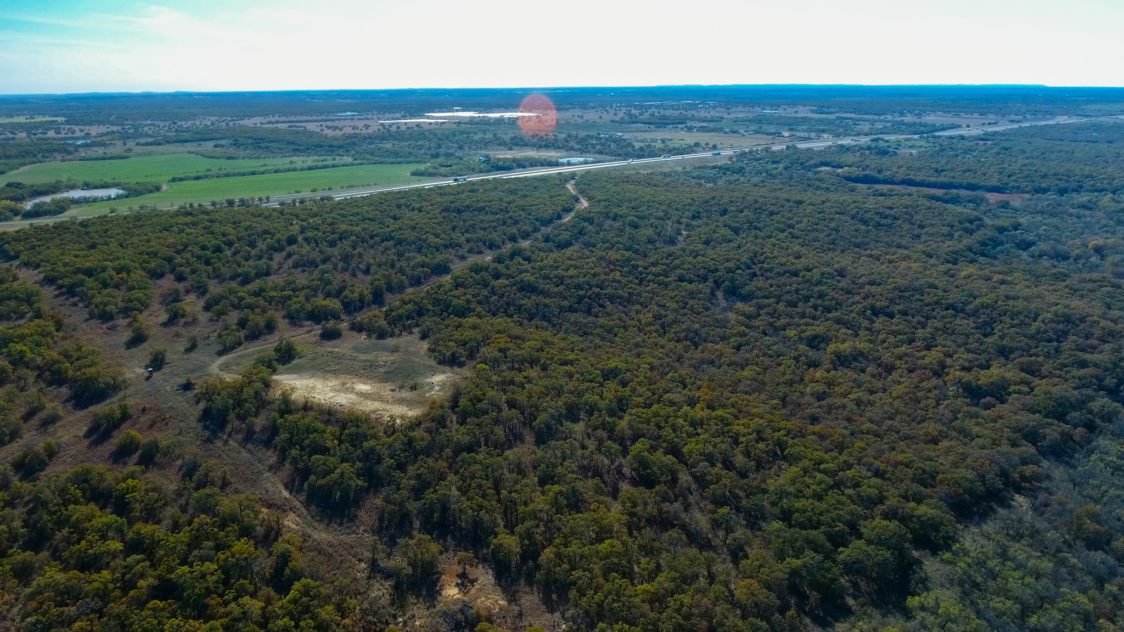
x=270, y=184
x=155, y=168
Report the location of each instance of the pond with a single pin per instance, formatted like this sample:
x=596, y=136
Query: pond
x=79, y=194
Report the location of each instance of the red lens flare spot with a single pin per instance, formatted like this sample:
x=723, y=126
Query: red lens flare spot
x=544, y=119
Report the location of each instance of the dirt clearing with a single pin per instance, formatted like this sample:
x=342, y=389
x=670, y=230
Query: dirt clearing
x=393, y=379
x=383, y=399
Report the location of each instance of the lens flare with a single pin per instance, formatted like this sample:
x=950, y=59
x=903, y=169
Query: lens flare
x=545, y=117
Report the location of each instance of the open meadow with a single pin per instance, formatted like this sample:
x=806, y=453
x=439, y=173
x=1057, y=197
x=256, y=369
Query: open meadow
x=155, y=168
x=218, y=190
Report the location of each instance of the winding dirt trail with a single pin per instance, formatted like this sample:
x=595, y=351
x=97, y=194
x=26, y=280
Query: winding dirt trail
x=583, y=203
x=267, y=482
x=216, y=367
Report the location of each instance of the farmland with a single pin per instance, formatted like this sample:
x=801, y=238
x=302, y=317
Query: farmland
x=155, y=168
x=30, y=119
x=263, y=185
x=192, y=179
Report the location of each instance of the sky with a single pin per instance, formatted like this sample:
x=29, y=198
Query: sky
x=126, y=45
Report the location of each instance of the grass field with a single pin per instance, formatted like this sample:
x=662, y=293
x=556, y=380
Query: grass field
x=393, y=379
x=204, y=191
x=30, y=119
x=156, y=168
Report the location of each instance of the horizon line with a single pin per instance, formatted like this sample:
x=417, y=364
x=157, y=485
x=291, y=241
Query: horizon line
x=562, y=87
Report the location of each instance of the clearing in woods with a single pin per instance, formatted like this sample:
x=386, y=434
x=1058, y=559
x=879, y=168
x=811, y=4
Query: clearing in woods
x=393, y=379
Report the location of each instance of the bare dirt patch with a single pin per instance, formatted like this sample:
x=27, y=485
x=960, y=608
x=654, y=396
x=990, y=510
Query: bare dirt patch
x=1015, y=199
x=465, y=583
x=394, y=379
x=993, y=197
x=366, y=396
x=473, y=584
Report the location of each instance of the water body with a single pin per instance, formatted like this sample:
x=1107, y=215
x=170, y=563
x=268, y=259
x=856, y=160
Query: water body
x=472, y=114
x=79, y=194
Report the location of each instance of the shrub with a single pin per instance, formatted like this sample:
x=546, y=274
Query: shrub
x=94, y=385
x=176, y=312
x=157, y=358
x=138, y=333
x=127, y=444
x=108, y=419
x=10, y=428
x=51, y=414
x=229, y=339
x=285, y=351
x=149, y=451
x=36, y=459
x=330, y=330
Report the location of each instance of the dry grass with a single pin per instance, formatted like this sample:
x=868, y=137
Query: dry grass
x=392, y=379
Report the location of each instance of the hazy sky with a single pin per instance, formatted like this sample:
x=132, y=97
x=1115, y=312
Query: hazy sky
x=109, y=45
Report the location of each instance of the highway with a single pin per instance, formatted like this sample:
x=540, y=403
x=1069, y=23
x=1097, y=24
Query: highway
x=803, y=144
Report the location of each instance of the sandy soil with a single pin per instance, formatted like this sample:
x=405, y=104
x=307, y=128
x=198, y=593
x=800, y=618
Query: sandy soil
x=365, y=395
x=475, y=586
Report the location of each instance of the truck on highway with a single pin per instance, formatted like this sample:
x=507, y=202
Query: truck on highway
x=460, y=179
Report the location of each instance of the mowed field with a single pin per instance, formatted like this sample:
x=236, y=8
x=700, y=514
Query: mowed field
x=269, y=184
x=156, y=168
x=219, y=184
x=30, y=119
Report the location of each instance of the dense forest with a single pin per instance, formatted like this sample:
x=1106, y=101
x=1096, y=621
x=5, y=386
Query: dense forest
x=769, y=394
x=315, y=263
x=397, y=145
x=1057, y=159
x=15, y=153
x=92, y=548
